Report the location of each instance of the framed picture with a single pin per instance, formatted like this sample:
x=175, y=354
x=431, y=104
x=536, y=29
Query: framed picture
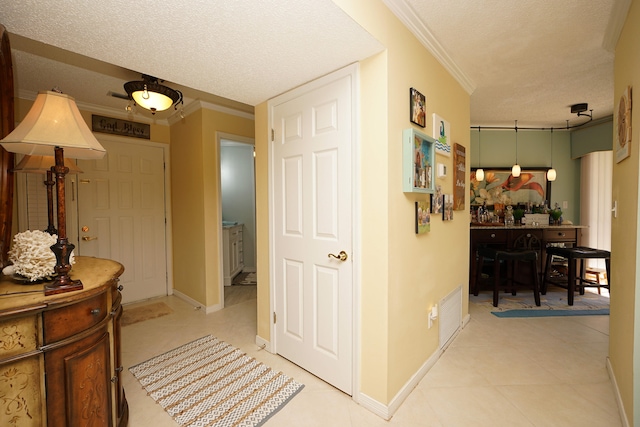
x=417, y=108
x=437, y=202
x=418, y=162
x=500, y=187
x=441, y=133
x=459, y=176
x=623, y=139
x=422, y=217
x=447, y=211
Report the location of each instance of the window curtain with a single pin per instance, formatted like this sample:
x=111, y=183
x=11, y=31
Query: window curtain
x=595, y=202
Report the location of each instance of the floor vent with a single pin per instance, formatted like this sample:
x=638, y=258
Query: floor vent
x=450, y=316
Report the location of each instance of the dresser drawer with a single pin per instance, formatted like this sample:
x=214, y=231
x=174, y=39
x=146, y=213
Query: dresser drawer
x=560, y=235
x=66, y=321
x=489, y=236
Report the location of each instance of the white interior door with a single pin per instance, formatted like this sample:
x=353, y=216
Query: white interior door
x=121, y=215
x=312, y=216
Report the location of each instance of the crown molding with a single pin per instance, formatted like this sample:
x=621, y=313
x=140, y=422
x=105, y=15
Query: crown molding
x=617, y=18
x=203, y=105
x=408, y=17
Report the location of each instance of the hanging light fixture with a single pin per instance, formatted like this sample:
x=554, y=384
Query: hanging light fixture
x=515, y=170
x=479, y=171
x=551, y=173
x=153, y=96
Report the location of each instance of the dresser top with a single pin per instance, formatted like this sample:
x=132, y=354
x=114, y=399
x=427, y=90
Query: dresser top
x=95, y=273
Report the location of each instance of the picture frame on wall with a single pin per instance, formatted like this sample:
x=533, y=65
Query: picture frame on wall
x=623, y=139
x=499, y=186
x=422, y=217
x=447, y=210
x=418, y=162
x=417, y=108
x=442, y=135
x=437, y=201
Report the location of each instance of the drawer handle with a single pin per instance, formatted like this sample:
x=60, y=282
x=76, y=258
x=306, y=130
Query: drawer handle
x=120, y=287
x=119, y=369
x=114, y=379
x=528, y=234
x=95, y=311
x=493, y=235
x=561, y=234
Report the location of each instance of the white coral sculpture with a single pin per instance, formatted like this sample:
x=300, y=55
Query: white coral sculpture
x=31, y=254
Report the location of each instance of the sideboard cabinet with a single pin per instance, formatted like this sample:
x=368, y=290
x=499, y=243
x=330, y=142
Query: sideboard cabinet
x=233, y=252
x=60, y=359
x=504, y=237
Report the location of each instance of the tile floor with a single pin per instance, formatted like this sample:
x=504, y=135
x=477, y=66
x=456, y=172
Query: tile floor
x=497, y=372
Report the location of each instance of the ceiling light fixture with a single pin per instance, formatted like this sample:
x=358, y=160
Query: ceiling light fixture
x=515, y=170
x=151, y=95
x=551, y=173
x=479, y=171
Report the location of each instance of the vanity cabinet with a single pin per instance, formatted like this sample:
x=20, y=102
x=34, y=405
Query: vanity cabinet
x=60, y=358
x=233, y=256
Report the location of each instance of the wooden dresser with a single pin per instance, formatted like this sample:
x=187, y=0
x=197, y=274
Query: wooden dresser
x=60, y=362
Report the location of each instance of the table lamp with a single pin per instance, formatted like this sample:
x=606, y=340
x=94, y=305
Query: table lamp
x=54, y=126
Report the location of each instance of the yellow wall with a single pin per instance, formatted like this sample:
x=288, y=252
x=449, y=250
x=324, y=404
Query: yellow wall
x=195, y=183
x=624, y=334
x=402, y=274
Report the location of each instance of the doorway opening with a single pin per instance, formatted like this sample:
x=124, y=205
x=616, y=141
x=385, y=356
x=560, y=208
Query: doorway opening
x=238, y=206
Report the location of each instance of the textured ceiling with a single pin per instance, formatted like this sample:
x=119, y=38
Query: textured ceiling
x=520, y=60
x=524, y=60
x=246, y=51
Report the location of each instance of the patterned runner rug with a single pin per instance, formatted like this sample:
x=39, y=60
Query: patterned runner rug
x=208, y=382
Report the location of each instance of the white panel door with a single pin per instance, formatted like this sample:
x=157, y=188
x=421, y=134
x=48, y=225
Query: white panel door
x=121, y=215
x=312, y=208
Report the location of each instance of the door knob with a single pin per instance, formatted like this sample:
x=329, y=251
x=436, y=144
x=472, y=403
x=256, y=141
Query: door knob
x=87, y=238
x=342, y=256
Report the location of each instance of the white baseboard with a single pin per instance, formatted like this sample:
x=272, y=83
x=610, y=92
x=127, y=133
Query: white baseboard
x=616, y=390
x=465, y=320
x=196, y=304
x=387, y=411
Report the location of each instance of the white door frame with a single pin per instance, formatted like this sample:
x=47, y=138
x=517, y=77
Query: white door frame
x=353, y=71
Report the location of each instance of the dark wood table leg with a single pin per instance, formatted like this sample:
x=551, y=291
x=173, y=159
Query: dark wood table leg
x=571, y=285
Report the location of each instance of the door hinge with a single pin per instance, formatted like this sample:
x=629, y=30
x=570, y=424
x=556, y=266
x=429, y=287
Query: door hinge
x=273, y=135
x=274, y=317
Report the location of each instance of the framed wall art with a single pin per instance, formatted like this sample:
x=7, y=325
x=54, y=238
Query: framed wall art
x=417, y=108
x=422, y=217
x=447, y=210
x=459, y=176
x=499, y=186
x=441, y=133
x=623, y=139
x=418, y=162
x=437, y=201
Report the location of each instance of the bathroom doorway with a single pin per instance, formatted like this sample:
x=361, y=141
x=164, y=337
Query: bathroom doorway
x=238, y=200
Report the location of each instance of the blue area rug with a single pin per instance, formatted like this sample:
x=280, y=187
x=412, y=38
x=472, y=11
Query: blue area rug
x=554, y=303
x=550, y=313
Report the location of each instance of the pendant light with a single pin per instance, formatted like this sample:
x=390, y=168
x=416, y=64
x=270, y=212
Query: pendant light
x=515, y=170
x=479, y=171
x=551, y=173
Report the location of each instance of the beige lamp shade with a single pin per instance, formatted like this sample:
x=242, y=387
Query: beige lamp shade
x=54, y=121
x=42, y=164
